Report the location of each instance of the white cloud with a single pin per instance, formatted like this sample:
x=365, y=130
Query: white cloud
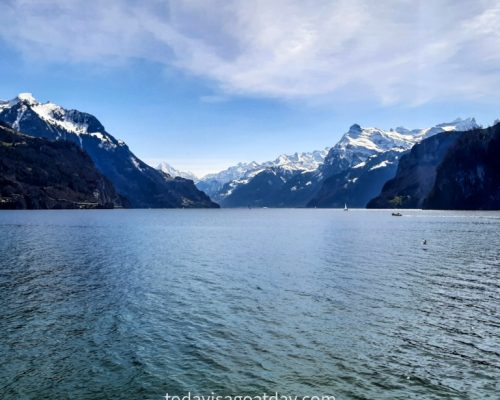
x=390, y=51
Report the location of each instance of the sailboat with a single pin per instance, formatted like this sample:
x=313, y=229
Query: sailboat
x=345, y=207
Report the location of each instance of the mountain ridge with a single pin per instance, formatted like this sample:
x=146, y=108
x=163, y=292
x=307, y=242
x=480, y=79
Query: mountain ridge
x=353, y=171
x=223, y=183
x=142, y=185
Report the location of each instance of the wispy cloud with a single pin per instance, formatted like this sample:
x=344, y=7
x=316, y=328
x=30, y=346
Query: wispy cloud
x=390, y=51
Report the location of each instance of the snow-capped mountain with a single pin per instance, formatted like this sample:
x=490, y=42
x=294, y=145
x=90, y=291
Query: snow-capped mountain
x=222, y=184
x=365, y=158
x=358, y=144
x=168, y=169
x=234, y=172
x=292, y=162
x=212, y=184
x=299, y=161
x=52, y=121
x=141, y=184
x=353, y=170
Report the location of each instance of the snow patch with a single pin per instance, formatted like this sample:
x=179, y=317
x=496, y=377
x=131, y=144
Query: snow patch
x=136, y=163
x=360, y=165
x=383, y=164
x=56, y=115
x=27, y=97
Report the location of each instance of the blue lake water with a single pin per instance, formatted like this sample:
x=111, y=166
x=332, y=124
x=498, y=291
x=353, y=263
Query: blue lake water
x=134, y=304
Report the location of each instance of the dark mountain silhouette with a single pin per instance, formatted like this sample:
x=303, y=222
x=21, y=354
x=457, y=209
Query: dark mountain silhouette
x=451, y=170
x=469, y=176
x=38, y=173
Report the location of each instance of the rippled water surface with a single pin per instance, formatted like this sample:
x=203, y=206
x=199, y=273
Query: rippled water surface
x=134, y=304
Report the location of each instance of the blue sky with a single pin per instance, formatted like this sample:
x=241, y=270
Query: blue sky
x=205, y=84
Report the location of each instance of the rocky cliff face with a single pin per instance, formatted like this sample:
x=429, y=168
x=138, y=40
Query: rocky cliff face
x=416, y=173
x=141, y=184
x=469, y=176
x=37, y=173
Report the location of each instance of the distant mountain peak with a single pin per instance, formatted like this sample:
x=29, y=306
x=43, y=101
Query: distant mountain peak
x=24, y=106
x=306, y=161
x=355, y=129
x=173, y=172
x=459, y=124
x=26, y=97
x=401, y=129
x=462, y=120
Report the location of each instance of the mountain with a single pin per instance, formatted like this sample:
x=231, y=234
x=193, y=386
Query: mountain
x=169, y=170
x=358, y=144
x=468, y=178
x=358, y=184
x=261, y=184
x=211, y=184
x=269, y=187
x=141, y=184
x=415, y=174
x=357, y=167
x=353, y=171
x=453, y=170
x=38, y=173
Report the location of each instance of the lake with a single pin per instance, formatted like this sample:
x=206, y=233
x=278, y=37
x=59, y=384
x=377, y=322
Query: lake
x=134, y=304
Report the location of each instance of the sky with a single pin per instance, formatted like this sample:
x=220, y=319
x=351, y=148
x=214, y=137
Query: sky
x=205, y=84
